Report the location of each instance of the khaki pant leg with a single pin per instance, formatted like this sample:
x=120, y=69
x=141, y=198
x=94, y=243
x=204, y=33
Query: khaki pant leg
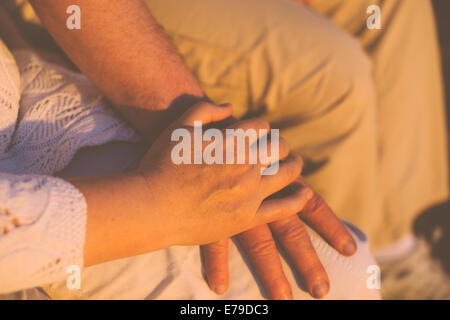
x=287, y=63
x=412, y=141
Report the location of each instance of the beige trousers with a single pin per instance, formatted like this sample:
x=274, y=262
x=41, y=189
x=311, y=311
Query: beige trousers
x=363, y=107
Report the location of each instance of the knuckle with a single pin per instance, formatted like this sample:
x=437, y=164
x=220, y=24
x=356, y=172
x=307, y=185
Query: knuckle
x=314, y=270
x=315, y=204
x=262, y=247
x=292, y=233
x=215, y=248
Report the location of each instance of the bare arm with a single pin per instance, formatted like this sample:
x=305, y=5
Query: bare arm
x=9, y=33
x=121, y=48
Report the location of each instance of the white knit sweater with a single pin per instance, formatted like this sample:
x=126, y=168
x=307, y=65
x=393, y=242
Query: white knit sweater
x=47, y=114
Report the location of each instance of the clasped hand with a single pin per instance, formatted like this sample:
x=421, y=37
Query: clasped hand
x=207, y=203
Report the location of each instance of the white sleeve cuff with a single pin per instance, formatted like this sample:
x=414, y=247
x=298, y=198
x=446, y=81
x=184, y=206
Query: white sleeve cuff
x=42, y=230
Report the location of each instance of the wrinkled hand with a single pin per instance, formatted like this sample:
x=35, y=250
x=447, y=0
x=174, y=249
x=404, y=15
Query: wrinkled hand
x=259, y=245
x=202, y=203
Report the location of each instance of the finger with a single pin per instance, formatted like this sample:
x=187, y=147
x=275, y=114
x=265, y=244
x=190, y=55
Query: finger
x=261, y=249
x=318, y=215
x=251, y=129
x=274, y=152
x=244, y=139
x=215, y=259
x=206, y=113
x=273, y=209
x=283, y=149
x=288, y=172
x=282, y=152
x=270, y=147
x=292, y=235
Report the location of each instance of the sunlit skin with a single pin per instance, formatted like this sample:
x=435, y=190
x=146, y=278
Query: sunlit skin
x=129, y=58
x=146, y=210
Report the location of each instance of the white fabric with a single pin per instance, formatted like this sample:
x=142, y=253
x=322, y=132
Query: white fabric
x=47, y=114
x=397, y=250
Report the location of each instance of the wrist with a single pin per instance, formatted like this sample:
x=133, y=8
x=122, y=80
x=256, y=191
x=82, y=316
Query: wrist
x=153, y=207
x=150, y=118
x=158, y=120
x=120, y=219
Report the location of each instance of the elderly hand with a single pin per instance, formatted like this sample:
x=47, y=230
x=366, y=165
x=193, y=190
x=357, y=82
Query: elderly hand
x=202, y=203
x=259, y=244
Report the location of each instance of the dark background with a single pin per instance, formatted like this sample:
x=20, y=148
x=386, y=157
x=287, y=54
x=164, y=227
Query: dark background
x=438, y=217
x=442, y=9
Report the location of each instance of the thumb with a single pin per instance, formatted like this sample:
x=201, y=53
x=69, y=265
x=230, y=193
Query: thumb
x=206, y=113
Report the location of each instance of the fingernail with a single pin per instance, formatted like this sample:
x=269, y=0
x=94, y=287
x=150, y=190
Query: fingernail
x=309, y=194
x=320, y=289
x=286, y=296
x=349, y=248
x=220, y=289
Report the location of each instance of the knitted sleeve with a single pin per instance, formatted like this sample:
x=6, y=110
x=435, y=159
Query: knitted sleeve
x=47, y=113
x=43, y=218
x=42, y=230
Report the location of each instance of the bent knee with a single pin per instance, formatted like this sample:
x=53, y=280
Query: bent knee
x=303, y=69
x=321, y=72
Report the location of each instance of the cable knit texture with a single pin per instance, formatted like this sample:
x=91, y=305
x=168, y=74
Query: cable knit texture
x=47, y=114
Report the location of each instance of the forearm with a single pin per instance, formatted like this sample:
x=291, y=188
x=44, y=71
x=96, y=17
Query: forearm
x=44, y=222
x=121, y=48
x=119, y=221
x=9, y=33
